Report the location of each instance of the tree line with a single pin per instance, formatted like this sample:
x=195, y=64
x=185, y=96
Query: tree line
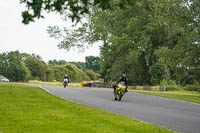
x=18, y=66
x=153, y=41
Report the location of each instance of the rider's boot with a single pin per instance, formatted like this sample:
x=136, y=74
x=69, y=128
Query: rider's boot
x=114, y=90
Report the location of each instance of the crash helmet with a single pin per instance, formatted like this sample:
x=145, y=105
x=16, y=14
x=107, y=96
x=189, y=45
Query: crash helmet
x=124, y=75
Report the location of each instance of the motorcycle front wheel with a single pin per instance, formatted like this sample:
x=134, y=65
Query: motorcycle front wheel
x=120, y=96
x=116, y=96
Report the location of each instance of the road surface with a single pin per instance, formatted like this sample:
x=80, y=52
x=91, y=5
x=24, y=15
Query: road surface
x=180, y=116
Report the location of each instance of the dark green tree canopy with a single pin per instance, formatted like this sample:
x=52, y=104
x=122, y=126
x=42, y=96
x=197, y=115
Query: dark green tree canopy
x=153, y=41
x=74, y=8
x=55, y=62
x=92, y=63
x=13, y=67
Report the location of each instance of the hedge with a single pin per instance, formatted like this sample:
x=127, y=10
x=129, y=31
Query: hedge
x=192, y=88
x=173, y=88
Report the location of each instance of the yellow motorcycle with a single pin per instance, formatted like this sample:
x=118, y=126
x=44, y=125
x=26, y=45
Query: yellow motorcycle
x=119, y=92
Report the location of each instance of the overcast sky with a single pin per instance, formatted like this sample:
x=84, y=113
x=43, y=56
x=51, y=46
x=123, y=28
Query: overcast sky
x=33, y=38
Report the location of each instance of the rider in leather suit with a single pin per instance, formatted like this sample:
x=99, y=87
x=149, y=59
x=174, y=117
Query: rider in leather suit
x=66, y=77
x=123, y=79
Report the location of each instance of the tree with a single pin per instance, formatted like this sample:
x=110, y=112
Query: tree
x=75, y=74
x=55, y=62
x=144, y=29
x=91, y=74
x=141, y=39
x=36, y=65
x=80, y=65
x=74, y=9
x=13, y=67
x=92, y=63
x=49, y=74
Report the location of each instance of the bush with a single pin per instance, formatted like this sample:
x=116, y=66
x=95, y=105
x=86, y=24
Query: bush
x=91, y=74
x=195, y=82
x=75, y=74
x=173, y=88
x=192, y=88
x=167, y=83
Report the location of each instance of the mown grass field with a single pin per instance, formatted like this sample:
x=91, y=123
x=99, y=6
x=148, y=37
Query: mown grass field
x=190, y=96
x=25, y=109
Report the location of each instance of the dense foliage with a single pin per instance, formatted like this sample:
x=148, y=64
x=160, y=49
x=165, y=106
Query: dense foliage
x=192, y=88
x=18, y=66
x=91, y=63
x=13, y=67
x=153, y=42
x=74, y=9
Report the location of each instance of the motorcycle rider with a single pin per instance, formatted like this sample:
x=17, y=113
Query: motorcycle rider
x=66, y=79
x=123, y=79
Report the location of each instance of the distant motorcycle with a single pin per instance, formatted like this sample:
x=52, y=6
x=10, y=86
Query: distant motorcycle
x=65, y=82
x=119, y=92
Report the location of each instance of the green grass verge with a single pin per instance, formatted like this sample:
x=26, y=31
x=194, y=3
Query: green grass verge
x=25, y=109
x=189, y=96
x=42, y=83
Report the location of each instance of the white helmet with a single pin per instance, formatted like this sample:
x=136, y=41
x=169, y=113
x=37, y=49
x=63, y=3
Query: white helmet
x=123, y=75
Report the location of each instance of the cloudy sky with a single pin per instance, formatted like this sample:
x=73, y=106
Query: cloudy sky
x=33, y=38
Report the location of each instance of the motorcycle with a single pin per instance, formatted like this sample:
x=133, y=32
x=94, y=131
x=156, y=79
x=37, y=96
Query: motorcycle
x=65, y=82
x=119, y=92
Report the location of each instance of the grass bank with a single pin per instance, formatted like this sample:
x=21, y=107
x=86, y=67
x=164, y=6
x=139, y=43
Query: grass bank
x=190, y=96
x=37, y=82
x=25, y=109
x=56, y=83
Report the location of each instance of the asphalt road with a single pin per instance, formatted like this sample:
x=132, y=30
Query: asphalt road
x=183, y=117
